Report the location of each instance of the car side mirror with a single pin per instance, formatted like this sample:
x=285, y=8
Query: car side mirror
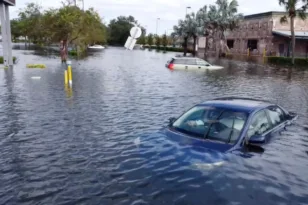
x=207, y=65
x=256, y=140
x=171, y=120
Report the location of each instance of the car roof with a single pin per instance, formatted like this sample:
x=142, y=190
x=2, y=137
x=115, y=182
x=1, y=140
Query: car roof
x=237, y=103
x=186, y=57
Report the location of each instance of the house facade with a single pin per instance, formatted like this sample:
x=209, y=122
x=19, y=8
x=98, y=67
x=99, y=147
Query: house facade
x=264, y=31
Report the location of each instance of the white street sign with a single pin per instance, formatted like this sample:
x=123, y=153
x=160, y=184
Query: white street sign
x=135, y=33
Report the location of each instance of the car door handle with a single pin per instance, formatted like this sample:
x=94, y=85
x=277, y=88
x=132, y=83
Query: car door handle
x=199, y=67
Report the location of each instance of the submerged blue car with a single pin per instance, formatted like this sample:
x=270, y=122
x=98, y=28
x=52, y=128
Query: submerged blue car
x=228, y=124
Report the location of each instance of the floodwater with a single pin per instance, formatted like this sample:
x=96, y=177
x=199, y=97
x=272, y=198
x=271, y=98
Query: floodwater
x=78, y=146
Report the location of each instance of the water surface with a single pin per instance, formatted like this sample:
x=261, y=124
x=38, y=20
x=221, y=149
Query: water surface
x=76, y=146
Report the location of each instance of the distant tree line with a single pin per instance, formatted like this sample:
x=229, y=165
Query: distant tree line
x=70, y=25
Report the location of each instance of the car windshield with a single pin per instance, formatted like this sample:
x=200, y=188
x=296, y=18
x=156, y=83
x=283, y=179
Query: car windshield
x=212, y=123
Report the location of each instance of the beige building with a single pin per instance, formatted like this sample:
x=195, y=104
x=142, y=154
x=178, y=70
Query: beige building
x=264, y=30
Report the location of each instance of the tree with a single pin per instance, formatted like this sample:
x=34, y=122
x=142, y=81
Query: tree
x=157, y=41
x=204, y=25
x=68, y=24
x=292, y=12
x=180, y=31
x=173, y=38
x=30, y=24
x=142, y=39
x=193, y=29
x=165, y=41
x=119, y=29
x=187, y=28
x=16, y=29
x=222, y=17
x=150, y=39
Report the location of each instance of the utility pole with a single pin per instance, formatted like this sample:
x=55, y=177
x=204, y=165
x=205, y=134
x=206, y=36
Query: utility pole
x=157, y=24
x=6, y=31
x=188, y=7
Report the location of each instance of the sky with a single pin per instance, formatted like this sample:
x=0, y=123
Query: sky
x=147, y=11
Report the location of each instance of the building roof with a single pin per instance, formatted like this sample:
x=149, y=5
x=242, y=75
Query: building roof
x=264, y=14
x=298, y=34
x=240, y=104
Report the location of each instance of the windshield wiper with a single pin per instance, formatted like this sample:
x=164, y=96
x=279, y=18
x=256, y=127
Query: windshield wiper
x=229, y=140
x=213, y=121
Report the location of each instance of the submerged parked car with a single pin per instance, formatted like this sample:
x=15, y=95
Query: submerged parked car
x=190, y=63
x=228, y=124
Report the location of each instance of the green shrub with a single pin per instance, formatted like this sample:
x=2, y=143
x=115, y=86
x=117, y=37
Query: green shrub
x=1, y=59
x=73, y=53
x=286, y=61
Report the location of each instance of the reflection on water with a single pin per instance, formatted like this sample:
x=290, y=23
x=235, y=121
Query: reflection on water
x=78, y=146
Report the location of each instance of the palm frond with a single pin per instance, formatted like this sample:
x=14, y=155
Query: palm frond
x=283, y=19
x=302, y=14
x=282, y=2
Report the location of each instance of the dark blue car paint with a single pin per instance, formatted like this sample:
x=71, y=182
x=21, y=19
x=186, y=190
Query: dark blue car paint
x=219, y=150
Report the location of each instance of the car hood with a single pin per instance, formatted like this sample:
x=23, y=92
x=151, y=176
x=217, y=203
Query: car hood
x=184, y=149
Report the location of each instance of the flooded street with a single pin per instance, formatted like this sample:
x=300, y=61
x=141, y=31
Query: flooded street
x=76, y=146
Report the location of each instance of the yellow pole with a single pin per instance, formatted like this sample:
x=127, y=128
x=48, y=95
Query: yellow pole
x=65, y=77
x=69, y=69
x=264, y=55
x=247, y=51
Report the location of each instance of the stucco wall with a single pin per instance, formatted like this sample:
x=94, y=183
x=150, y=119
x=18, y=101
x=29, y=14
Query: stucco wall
x=260, y=28
x=299, y=25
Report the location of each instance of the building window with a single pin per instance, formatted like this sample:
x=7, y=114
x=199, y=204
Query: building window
x=252, y=44
x=230, y=43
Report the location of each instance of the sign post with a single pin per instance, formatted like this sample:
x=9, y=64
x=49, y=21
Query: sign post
x=135, y=33
x=6, y=31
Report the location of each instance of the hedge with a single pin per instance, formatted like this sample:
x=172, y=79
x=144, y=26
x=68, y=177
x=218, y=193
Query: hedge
x=173, y=49
x=286, y=61
x=1, y=59
x=73, y=53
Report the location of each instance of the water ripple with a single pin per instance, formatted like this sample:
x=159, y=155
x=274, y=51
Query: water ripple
x=79, y=147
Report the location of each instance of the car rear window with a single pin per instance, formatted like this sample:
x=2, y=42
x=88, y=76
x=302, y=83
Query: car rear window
x=190, y=61
x=179, y=61
x=185, y=61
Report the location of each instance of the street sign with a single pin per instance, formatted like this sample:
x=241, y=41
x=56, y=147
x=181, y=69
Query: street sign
x=135, y=33
x=9, y=2
x=130, y=43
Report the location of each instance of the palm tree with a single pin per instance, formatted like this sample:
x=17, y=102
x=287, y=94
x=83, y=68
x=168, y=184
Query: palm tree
x=187, y=28
x=192, y=29
x=224, y=16
x=204, y=26
x=293, y=11
x=180, y=31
